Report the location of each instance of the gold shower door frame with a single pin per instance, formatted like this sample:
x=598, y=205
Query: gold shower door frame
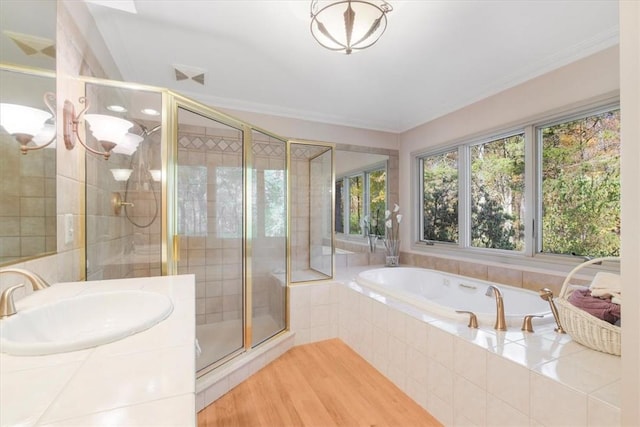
x=170, y=243
x=329, y=147
x=171, y=103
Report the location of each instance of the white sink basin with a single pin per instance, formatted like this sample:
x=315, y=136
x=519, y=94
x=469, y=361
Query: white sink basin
x=82, y=322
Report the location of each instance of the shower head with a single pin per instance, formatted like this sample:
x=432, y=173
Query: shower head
x=547, y=295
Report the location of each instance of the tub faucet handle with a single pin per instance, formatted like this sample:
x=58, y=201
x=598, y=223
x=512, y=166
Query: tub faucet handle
x=526, y=322
x=473, y=319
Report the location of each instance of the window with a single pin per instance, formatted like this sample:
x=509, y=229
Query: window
x=275, y=204
x=229, y=181
x=339, y=206
x=377, y=181
x=360, y=195
x=356, y=203
x=580, y=183
x=497, y=193
x=440, y=197
x=474, y=194
x=192, y=200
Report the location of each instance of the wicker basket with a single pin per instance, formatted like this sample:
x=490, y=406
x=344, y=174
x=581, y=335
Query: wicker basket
x=583, y=327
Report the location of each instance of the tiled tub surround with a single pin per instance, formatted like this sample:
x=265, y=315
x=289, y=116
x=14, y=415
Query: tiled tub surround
x=145, y=379
x=522, y=277
x=464, y=376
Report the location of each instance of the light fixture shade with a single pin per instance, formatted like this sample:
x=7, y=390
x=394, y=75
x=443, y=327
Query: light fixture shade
x=348, y=25
x=20, y=119
x=108, y=128
x=156, y=174
x=128, y=144
x=121, y=174
x=45, y=134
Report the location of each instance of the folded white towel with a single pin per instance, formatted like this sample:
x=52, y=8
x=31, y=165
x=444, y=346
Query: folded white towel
x=606, y=285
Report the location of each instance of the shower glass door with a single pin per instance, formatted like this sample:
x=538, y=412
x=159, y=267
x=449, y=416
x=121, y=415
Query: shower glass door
x=209, y=215
x=268, y=237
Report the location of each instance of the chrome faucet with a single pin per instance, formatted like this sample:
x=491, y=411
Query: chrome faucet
x=7, y=306
x=501, y=323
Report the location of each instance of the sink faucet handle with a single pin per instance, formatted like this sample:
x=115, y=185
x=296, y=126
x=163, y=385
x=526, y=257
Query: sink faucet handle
x=526, y=322
x=473, y=319
x=7, y=307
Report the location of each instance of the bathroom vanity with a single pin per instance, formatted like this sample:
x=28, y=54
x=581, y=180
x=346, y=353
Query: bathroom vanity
x=144, y=379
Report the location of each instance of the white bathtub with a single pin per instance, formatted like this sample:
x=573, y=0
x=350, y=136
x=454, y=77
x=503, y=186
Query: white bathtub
x=443, y=293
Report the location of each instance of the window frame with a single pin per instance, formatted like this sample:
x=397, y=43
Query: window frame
x=537, y=131
x=531, y=253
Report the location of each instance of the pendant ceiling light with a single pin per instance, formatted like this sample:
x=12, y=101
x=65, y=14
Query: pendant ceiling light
x=348, y=25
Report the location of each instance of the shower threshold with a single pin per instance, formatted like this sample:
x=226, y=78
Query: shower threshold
x=220, y=339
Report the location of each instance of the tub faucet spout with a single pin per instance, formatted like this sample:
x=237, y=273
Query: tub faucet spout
x=501, y=323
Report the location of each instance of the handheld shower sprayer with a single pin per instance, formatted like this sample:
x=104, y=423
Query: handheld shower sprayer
x=547, y=295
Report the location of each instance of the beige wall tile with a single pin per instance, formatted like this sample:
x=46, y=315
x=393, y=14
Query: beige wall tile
x=448, y=265
x=475, y=270
x=506, y=276
x=537, y=281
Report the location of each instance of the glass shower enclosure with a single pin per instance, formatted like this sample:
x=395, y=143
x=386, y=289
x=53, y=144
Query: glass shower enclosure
x=192, y=191
x=311, y=186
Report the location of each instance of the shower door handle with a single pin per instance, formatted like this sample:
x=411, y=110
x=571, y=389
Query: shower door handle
x=176, y=247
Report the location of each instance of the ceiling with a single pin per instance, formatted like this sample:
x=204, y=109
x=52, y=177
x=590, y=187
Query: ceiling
x=435, y=56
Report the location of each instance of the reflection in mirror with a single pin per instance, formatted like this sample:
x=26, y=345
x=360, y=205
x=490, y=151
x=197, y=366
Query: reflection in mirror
x=361, y=193
x=366, y=183
x=311, y=182
x=27, y=182
x=28, y=33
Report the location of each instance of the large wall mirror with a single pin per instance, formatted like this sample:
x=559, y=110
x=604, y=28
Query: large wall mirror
x=27, y=181
x=366, y=183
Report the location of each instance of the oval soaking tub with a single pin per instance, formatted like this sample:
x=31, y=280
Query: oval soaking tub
x=444, y=293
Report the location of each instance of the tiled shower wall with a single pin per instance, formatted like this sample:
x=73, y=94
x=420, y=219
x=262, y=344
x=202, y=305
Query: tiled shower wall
x=320, y=212
x=126, y=244
x=268, y=257
x=300, y=205
x=216, y=260
x=308, y=193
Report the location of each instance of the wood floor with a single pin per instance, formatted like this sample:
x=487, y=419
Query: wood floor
x=319, y=384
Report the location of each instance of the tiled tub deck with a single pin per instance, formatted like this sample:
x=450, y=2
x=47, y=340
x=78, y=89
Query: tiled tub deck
x=465, y=376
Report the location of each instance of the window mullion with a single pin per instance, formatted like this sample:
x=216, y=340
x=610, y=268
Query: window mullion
x=366, y=196
x=464, y=197
x=532, y=197
x=346, y=192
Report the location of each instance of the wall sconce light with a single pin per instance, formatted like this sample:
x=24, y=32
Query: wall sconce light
x=24, y=123
x=108, y=130
x=121, y=174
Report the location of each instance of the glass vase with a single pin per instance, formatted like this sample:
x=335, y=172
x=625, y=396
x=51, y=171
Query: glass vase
x=392, y=261
x=392, y=252
x=373, y=239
